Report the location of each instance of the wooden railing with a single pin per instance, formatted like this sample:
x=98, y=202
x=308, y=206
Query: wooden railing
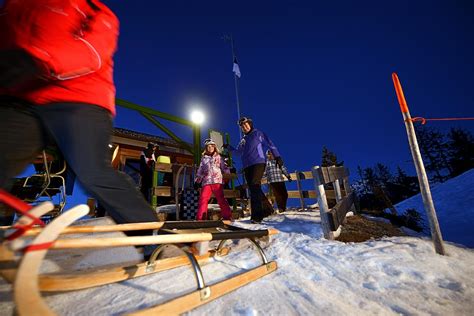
x=340, y=192
x=332, y=218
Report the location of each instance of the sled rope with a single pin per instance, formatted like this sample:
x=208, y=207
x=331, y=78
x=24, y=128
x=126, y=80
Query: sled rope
x=37, y=247
x=424, y=120
x=22, y=208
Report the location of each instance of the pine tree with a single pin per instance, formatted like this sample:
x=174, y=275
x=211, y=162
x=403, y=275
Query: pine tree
x=461, y=151
x=383, y=174
x=403, y=186
x=433, y=148
x=329, y=158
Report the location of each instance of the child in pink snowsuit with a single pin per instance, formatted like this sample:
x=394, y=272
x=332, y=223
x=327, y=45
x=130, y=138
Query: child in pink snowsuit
x=209, y=175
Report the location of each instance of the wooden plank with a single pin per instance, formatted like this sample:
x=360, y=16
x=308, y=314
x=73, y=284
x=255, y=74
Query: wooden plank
x=337, y=190
x=304, y=175
x=307, y=194
x=322, y=201
x=338, y=212
x=83, y=279
x=101, y=228
x=300, y=191
x=162, y=191
x=335, y=173
x=195, y=299
x=121, y=241
x=163, y=167
x=320, y=175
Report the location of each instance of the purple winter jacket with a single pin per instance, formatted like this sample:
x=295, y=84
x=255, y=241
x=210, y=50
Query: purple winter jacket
x=252, y=148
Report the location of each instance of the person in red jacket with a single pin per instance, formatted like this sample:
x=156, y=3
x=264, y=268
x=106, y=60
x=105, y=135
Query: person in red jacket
x=56, y=85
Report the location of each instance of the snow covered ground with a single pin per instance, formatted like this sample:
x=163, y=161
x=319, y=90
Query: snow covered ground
x=392, y=276
x=454, y=204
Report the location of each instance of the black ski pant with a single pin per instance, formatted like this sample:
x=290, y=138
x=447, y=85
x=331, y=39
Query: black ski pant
x=280, y=193
x=253, y=176
x=82, y=133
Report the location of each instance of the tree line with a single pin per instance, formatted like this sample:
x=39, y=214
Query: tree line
x=445, y=156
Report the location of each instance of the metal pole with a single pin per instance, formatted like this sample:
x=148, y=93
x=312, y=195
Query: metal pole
x=420, y=169
x=197, y=143
x=236, y=81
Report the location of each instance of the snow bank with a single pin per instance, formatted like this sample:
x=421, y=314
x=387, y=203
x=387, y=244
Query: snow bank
x=454, y=204
x=398, y=275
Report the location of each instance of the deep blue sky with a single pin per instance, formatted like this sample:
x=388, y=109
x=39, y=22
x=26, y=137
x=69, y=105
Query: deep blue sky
x=313, y=73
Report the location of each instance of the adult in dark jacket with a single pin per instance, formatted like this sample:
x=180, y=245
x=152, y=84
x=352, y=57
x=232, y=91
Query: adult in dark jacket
x=252, y=148
x=56, y=82
x=147, y=159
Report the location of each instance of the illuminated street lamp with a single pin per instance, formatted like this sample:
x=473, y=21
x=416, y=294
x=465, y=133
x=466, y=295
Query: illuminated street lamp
x=197, y=117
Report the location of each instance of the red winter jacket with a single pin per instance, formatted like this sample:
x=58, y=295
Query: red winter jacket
x=73, y=43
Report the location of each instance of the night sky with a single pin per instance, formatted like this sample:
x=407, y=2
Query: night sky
x=314, y=73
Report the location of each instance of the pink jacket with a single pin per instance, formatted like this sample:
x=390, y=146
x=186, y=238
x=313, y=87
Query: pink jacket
x=210, y=170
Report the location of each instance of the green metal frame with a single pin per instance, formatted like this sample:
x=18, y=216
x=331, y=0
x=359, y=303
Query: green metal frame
x=151, y=115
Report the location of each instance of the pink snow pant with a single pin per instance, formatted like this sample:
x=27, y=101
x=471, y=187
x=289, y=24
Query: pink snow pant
x=206, y=191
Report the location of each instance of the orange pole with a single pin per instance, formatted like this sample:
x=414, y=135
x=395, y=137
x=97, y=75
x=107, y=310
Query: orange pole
x=420, y=169
x=400, y=95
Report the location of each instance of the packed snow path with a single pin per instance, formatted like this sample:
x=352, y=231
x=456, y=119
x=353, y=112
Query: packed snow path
x=398, y=275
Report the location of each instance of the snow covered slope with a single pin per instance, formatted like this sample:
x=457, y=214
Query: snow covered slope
x=392, y=276
x=454, y=204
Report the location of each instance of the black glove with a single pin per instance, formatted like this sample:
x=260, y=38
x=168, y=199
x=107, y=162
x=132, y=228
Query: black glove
x=197, y=185
x=233, y=170
x=225, y=146
x=279, y=162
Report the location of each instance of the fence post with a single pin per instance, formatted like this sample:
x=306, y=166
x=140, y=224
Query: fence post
x=348, y=190
x=337, y=189
x=298, y=184
x=420, y=169
x=322, y=202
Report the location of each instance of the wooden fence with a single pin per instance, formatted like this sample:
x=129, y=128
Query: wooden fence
x=331, y=183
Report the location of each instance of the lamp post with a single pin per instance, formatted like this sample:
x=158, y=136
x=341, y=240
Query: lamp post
x=197, y=117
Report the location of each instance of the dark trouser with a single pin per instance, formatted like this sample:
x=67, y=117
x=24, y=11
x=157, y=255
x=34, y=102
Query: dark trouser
x=280, y=193
x=253, y=176
x=82, y=134
x=146, y=184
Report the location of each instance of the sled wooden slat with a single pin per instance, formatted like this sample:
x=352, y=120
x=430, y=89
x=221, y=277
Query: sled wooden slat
x=192, y=300
x=131, y=241
x=83, y=279
x=121, y=227
x=102, y=228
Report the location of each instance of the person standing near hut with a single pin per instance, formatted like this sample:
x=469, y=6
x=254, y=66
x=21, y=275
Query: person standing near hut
x=56, y=83
x=147, y=160
x=209, y=177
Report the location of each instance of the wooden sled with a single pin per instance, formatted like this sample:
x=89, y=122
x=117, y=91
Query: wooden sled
x=28, y=298
x=86, y=279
